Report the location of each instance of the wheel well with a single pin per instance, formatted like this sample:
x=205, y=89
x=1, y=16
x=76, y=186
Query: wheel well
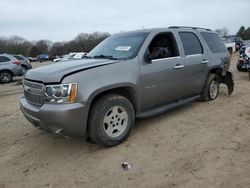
x=217, y=71
x=127, y=92
x=7, y=70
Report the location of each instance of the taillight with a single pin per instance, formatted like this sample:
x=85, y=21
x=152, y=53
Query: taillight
x=17, y=62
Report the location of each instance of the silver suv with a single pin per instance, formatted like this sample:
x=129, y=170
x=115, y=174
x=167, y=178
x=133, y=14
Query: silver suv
x=131, y=75
x=9, y=67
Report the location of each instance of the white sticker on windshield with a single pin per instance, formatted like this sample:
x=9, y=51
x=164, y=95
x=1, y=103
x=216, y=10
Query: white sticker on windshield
x=123, y=48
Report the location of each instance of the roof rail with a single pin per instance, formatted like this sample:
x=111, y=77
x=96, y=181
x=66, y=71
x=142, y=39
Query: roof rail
x=187, y=27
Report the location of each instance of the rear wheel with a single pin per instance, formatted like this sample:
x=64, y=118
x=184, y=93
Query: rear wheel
x=6, y=76
x=111, y=120
x=239, y=68
x=211, y=88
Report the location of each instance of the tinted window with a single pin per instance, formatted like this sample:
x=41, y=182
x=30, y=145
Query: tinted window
x=4, y=59
x=18, y=57
x=214, y=42
x=191, y=43
x=163, y=46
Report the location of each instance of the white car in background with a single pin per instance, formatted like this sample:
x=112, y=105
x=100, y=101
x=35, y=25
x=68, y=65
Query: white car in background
x=71, y=56
x=231, y=46
x=79, y=55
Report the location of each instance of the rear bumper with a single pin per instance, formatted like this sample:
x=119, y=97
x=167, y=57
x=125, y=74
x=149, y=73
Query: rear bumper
x=66, y=119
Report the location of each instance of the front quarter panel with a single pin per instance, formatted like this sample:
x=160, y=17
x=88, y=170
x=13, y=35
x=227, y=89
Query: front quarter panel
x=93, y=81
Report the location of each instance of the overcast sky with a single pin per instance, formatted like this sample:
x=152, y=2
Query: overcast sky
x=62, y=20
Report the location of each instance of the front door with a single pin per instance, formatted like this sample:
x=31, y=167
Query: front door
x=162, y=80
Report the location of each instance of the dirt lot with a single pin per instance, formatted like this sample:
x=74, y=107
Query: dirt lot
x=198, y=145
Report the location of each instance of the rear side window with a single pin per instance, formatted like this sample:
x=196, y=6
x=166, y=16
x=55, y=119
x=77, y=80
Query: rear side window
x=191, y=43
x=18, y=57
x=214, y=42
x=4, y=59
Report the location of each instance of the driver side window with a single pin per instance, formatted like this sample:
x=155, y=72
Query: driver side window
x=163, y=46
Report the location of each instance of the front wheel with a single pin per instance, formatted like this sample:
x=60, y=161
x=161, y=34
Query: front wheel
x=211, y=88
x=111, y=120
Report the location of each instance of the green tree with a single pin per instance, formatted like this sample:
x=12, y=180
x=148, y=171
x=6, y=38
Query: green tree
x=246, y=35
x=241, y=31
x=34, y=51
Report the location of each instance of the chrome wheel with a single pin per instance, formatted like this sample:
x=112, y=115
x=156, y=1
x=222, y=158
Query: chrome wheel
x=115, y=121
x=214, y=87
x=5, y=77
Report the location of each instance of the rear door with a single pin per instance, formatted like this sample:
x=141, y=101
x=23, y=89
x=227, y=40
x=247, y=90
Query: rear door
x=195, y=61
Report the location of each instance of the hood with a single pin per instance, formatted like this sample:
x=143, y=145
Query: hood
x=55, y=72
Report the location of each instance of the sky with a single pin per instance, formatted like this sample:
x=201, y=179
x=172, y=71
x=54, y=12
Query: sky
x=62, y=20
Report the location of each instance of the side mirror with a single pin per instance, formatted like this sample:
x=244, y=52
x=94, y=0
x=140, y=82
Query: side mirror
x=148, y=58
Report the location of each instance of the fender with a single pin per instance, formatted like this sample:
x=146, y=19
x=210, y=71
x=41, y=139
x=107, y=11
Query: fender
x=226, y=77
x=111, y=87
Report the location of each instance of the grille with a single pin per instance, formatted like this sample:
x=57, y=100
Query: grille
x=33, y=92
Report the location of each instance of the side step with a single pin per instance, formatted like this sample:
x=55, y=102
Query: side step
x=161, y=109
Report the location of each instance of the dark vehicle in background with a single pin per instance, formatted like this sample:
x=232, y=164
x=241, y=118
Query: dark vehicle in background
x=238, y=41
x=25, y=62
x=9, y=67
x=131, y=75
x=43, y=57
x=32, y=59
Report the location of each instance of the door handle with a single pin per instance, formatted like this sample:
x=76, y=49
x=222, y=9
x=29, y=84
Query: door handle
x=205, y=61
x=178, y=66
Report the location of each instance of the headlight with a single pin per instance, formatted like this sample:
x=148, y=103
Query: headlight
x=63, y=93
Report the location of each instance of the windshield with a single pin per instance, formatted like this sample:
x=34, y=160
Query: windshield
x=124, y=46
x=234, y=39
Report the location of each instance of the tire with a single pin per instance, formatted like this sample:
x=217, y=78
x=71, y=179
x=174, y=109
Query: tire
x=211, y=88
x=111, y=120
x=239, y=68
x=6, y=77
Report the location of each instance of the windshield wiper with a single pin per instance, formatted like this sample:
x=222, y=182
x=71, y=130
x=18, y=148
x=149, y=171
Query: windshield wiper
x=105, y=57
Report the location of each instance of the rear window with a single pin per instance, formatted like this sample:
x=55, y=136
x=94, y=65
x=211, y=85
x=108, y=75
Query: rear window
x=214, y=42
x=4, y=59
x=18, y=57
x=191, y=43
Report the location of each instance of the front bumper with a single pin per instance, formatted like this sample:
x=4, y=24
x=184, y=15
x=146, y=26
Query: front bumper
x=68, y=119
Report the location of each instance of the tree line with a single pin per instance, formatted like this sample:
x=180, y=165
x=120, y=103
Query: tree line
x=83, y=42
x=242, y=32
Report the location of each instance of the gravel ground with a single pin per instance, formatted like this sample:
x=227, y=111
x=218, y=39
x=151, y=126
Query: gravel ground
x=198, y=145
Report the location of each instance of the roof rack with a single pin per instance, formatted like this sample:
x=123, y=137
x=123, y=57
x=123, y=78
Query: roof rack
x=187, y=27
